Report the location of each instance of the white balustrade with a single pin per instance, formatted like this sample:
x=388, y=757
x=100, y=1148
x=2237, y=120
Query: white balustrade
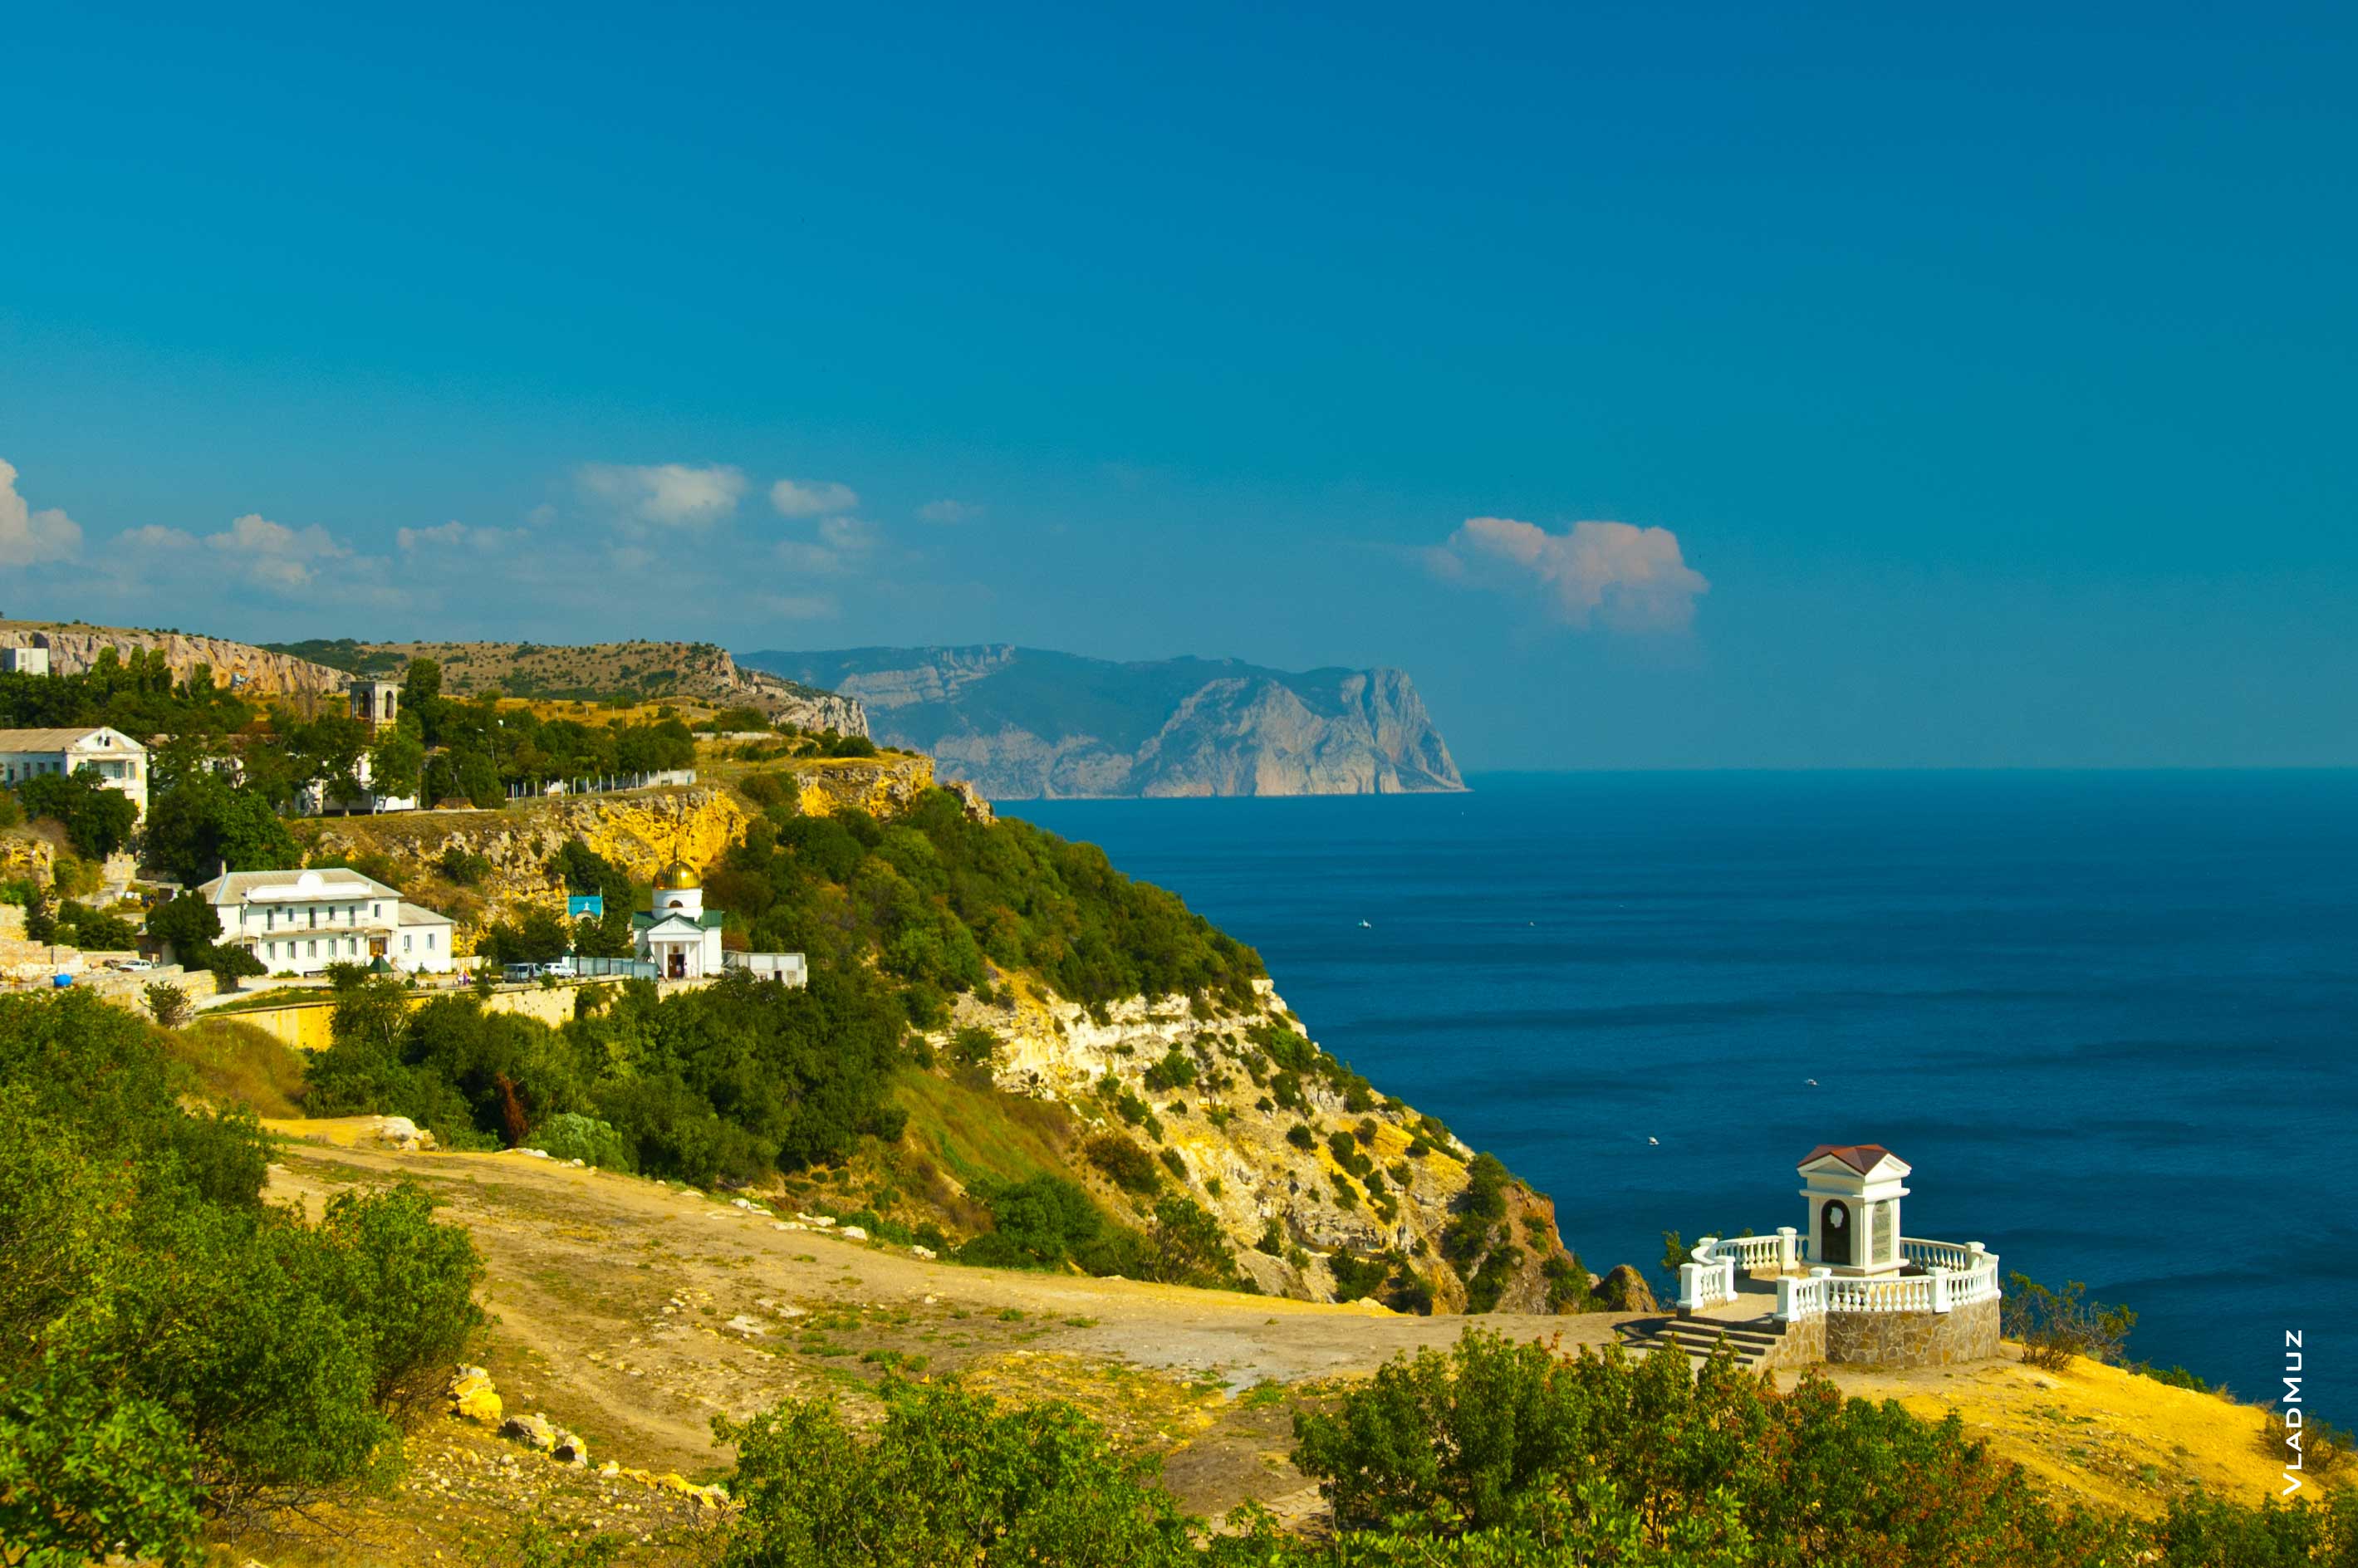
x=1952, y=1276
x=1708, y=1280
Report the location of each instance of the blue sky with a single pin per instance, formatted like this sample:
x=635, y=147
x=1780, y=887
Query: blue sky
x=1742, y=386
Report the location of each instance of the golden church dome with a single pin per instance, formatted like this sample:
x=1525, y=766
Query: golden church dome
x=677, y=878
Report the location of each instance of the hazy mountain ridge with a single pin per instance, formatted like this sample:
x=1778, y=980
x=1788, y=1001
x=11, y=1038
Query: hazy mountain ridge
x=1026, y=723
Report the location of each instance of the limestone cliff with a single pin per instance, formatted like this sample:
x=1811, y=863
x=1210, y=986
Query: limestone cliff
x=639, y=831
x=1239, y=1154
x=258, y=672
x=1020, y=723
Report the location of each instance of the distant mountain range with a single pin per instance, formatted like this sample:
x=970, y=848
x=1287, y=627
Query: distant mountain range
x=1022, y=723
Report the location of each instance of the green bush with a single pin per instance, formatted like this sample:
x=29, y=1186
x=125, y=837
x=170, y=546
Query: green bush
x=170, y=1346
x=463, y=866
x=569, y=1135
x=950, y=1477
x=2056, y=1325
x=1124, y=1162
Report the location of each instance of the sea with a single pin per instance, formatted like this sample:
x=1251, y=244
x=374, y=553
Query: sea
x=2110, y=1019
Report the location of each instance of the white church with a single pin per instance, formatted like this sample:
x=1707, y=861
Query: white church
x=677, y=934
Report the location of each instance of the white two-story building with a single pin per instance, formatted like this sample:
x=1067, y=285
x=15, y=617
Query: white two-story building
x=298, y=923
x=121, y=763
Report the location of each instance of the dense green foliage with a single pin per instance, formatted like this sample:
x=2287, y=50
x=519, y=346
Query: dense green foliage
x=724, y=1083
x=169, y=1345
x=934, y=896
x=192, y=928
x=1491, y=1455
x=950, y=1477
x=97, y=820
x=204, y=825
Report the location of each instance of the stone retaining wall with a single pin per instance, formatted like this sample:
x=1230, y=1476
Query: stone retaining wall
x=1967, y=1333
x=1803, y=1343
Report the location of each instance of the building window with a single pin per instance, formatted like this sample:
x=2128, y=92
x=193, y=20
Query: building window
x=270, y=920
x=404, y=941
x=376, y=912
x=310, y=949
x=314, y=913
x=430, y=941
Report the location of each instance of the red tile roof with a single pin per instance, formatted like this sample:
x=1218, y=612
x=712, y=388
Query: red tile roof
x=1859, y=1157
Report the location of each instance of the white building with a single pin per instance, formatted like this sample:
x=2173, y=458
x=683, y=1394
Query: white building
x=1853, y=1191
x=313, y=799
x=121, y=762
x=785, y=969
x=677, y=935
x=298, y=923
x=24, y=661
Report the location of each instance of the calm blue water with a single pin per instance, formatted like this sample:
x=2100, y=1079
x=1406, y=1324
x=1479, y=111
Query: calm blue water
x=2111, y=1019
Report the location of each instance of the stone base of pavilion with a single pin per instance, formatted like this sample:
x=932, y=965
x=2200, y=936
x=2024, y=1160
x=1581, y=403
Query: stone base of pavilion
x=1759, y=1298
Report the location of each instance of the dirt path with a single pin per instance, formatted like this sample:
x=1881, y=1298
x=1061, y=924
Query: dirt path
x=634, y=1313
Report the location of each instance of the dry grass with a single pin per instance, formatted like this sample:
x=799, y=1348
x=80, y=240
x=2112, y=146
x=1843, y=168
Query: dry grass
x=238, y=1064
x=2093, y=1431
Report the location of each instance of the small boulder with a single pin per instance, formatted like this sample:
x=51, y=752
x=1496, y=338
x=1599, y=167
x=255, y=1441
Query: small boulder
x=472, y=1397
x=532, y=1431
x=852, y=1232
x=568, y=1449
x=924, y=1252
x=748, y=1326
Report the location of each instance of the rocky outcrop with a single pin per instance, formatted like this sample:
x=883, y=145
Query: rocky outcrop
x=255, y=672
x=640, y=832
x=1019, y=723
x=1304, y=1170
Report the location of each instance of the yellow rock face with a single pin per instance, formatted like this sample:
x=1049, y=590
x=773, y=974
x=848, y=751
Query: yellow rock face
x=642, y=836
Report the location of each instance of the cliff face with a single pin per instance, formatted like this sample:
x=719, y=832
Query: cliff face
x=639, y=831
x=1236, y=1157
x=1022, y=724
x=258, y=672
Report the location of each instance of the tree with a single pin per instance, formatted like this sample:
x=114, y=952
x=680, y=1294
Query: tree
x=204, y=823
x=40, y=915
x=398, y=763
x=192, y=928
x=168, y=1003
x=97, y=820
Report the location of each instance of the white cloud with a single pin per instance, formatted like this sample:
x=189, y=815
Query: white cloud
x=843, y=544
x=152, y=539
x=273, y=554
x=454, y=535
x=946, y=511
x=28, y=537
x=664, y=495
x=1623, y=577
x=811, y=497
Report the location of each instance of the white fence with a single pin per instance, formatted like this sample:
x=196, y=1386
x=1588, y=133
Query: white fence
x=1951, y=1275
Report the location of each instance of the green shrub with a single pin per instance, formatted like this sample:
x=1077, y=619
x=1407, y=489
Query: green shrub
x=170, y=1346
x=950, y=1477
x=1301, y=1137
x=569, y=1135
x=2056, y=1325
x=1124, y=1162
x=463, y=866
